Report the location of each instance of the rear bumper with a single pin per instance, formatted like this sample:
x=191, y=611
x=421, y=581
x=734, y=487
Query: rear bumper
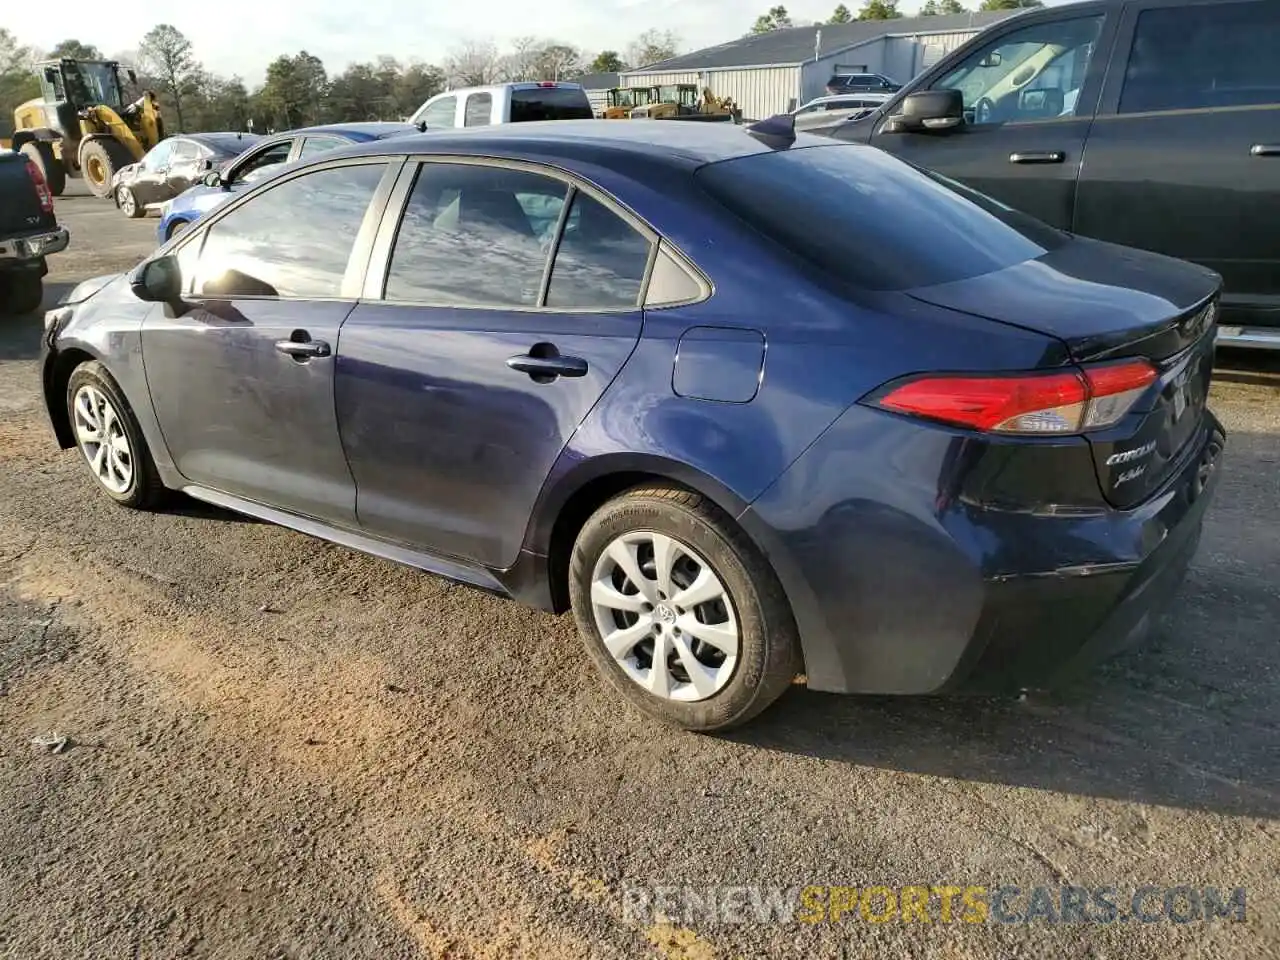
x=899, y=587
x=33, y=247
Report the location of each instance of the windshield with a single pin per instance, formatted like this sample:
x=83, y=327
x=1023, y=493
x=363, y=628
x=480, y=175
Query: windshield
x=94, y=83
x=865, y=217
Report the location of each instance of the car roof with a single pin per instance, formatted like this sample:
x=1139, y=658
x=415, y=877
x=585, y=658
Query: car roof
x=224, y=141
x=514, y=85
x=661, y=142
x=359, y=131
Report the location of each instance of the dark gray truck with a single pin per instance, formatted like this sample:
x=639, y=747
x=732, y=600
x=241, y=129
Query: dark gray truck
x=1149, y=123
x=29, y=232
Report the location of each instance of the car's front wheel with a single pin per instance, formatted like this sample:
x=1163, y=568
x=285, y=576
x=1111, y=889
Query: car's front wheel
x=108, y=435
x=680, y=611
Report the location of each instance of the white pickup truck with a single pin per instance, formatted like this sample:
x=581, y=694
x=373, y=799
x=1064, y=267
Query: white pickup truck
x=504, y=103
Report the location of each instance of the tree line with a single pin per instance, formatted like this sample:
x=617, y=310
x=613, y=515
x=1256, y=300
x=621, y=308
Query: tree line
x=297, y=90
x=777, y=17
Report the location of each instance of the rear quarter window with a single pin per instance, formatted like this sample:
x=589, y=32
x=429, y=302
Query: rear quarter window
x=864, y=217
x=550, y=103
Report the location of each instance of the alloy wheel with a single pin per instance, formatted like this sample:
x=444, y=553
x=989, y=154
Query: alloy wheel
x=128, y=203
x=103, y=441
x=665, y=616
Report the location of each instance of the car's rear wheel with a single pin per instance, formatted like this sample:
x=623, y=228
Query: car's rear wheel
x=108, y=435
x=21, y=291
x=679, y=611
x=128, y=203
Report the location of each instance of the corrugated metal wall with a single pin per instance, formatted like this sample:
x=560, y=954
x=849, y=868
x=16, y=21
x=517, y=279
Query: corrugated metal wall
x=760, y=92
x=599, y=100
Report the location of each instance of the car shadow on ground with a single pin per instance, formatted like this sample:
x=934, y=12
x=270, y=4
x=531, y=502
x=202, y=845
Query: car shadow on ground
x=1191, y=718
x=20, y=334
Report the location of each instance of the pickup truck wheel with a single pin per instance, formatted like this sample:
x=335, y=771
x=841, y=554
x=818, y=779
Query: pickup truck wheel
x=40, y=152
x=21, y=291
x=108, y=435
x=679, y=611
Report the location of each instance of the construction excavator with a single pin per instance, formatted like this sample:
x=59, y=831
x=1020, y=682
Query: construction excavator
x=80, y=125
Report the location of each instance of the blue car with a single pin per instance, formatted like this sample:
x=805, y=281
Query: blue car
x=750, y=404
x=267, y=155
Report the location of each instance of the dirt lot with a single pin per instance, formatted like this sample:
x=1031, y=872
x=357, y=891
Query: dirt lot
x=280, y=748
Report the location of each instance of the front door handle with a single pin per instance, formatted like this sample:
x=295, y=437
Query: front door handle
x=303, y=349
x=1265, y=150
x=1038, y=156
x=544, y=363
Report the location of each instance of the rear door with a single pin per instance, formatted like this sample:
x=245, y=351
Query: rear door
x=1184, y=158
x=462, y=376
x=1029, y=97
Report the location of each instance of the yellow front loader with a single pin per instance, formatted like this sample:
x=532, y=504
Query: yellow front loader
x=80, y=126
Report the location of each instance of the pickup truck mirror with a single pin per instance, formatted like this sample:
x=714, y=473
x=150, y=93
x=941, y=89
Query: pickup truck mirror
x=159, y=281
x=928, y=111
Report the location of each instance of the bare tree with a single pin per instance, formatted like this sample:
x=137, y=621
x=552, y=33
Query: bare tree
x=521, y=62
x=651, y=46
x=472, y=64
x=165, y=53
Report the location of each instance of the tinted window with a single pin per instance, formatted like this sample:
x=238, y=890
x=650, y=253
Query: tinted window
x=479, y=107
x=1221, y=55
x=1029, y=74
x=264, y=161
x=600, y=261
x=293, y=240
x=441, y=113
x=313, y=145
x=866, y=217
x=475, y=235
x=550, y=103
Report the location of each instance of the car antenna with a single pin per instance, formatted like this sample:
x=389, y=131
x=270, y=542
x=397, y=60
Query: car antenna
x=777, y=131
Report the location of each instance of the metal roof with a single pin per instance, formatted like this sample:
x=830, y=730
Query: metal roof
x=597, y=81
x=796, y=44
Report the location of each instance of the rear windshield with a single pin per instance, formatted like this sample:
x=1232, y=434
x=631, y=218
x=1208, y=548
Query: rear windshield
x=865, y=217
x=550, y=103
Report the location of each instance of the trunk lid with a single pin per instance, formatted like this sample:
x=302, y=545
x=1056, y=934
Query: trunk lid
x=1107, y=303
x=20, y=211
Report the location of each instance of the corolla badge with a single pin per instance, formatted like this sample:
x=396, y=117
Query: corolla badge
x=1128, y=456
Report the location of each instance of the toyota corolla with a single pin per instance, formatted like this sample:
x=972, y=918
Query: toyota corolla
x=751, y=405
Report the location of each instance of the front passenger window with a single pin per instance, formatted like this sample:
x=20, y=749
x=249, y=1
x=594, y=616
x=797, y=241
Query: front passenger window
x=1031, y=74
x=263, y=162
x=293, y=240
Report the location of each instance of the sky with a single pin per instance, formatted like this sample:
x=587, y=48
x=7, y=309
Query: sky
x=243, y=36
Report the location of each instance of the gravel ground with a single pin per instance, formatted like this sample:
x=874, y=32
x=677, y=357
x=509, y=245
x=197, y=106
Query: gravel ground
x=280, y=748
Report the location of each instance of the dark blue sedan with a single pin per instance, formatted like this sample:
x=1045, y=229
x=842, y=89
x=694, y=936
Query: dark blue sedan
x=266, y=156
x=750, y=406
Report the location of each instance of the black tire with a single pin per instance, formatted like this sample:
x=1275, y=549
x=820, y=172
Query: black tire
x=99, y=161
x=145, y=490
x=769, y=655
x=21, y=291
x=129, y=204
x=40, y=152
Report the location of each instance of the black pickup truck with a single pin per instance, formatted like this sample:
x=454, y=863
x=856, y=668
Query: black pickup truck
x=1150, y=123
x=28, y=232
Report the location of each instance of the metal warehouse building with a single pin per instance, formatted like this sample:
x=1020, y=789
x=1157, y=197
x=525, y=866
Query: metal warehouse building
x=765, y=73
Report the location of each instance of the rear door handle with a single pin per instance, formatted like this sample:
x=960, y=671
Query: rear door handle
x=303, y=350
x=1265, y=150
x=1038, y=156
x=549, y=367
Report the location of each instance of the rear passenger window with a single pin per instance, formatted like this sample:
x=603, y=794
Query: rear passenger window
x=474, y=235
x=479, y=107
x=601, y=259
x=1216, y=55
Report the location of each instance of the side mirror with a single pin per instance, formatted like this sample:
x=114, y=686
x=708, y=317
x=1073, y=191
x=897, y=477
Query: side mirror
x=212, y=178
x=159, y=281
x=992, y=59
x=133, y=77
x=928, y=111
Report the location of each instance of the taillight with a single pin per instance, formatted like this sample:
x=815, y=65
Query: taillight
x=42, y=186
x=1036, y=403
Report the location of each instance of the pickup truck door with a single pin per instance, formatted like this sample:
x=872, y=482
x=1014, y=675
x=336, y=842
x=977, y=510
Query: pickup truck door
x=1184, y=157
x=1029, y=94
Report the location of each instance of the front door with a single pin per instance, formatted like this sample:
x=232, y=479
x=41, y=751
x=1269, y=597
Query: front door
x=459, y=385
x=1184, y=158
x=148, y=186
x=242, y=381
x=1029, y=96
x=185, y=167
